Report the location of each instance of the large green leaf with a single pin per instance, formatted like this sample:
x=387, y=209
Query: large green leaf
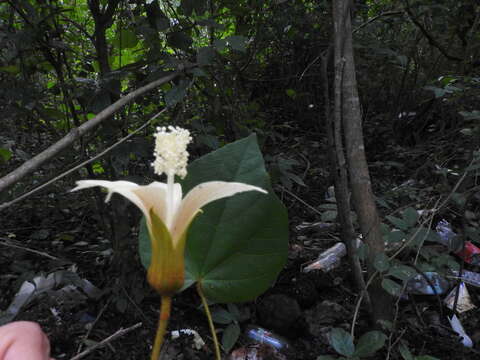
x=125, y=39
x=238, y=245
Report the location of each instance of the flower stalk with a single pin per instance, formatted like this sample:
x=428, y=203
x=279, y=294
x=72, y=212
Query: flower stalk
x=210, y=321
x=165, y=310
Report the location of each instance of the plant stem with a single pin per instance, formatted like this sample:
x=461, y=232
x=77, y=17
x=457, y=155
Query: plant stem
x=162, y=326
x=210, y=321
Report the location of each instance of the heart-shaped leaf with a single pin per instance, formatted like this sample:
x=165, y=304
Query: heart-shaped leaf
x=238, y=245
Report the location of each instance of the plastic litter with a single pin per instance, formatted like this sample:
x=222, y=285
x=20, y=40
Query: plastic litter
x=262, y=336
x=67, y=283
x=470, y=253
x=464, y=302
x=330, y=194
x=468, y=277
x=329, y=259
x=198, y=342
x=418, y=285
x=447, y=236
x=318, y=226
x=256, y=352
x=458, y=328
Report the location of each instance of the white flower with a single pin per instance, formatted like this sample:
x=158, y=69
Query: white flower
x=153, y=197
x=167, y=212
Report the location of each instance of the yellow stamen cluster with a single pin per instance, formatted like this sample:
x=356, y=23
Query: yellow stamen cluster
x=171, y=156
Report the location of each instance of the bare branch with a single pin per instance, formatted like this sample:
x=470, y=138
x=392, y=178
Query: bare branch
x=32, y=164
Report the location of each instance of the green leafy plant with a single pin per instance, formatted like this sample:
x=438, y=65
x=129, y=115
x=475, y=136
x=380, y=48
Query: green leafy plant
x=230, y=318
x=368, y=344
x=409, y=231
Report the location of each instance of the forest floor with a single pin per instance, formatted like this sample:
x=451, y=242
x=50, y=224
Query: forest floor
x=89, y=300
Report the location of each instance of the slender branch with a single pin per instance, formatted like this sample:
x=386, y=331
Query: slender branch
x=82, y=164
x=105, y=341
x=166, y=308
x=375, y=18
x=32, y=164
x=210, y=321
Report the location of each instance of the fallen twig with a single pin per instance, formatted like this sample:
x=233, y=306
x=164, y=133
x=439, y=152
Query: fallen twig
x=107, y=340
x=7, y=243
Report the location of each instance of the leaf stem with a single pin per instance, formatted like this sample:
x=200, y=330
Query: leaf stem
x=210, y=321
x=165, y=309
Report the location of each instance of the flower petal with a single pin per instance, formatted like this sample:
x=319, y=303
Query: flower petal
x=124, y=188
x=154, y=196
x=200, y=196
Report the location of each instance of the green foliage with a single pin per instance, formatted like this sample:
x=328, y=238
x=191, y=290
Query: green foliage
x=368, y=344
x=5, y=155
x=238, y=246
x=342, y=342
x=231, y=317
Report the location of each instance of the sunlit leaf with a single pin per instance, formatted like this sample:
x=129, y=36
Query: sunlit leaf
x=5, y=154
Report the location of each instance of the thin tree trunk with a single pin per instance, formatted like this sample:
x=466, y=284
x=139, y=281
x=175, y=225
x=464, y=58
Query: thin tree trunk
x=362, y=194
x=340, y=177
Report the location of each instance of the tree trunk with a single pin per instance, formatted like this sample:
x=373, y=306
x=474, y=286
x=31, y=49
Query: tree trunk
x=362, y=195
x=338, y=168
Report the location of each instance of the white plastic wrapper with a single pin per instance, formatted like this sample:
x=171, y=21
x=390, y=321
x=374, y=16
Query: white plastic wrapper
x=458, y=328
x=329, y=259
x=198, y=342
x=62, y=284
x=464, y=302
